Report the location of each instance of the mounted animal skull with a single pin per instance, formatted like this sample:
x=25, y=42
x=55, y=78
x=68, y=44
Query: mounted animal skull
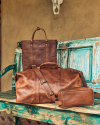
x=56, y=6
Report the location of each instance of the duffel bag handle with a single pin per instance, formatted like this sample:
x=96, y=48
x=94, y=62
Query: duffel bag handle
x=49, y=65
x=37, y=30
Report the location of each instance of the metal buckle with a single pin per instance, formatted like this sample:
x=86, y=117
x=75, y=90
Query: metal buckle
x=73, y=71
x=51, y=94
x=56, y=99
x=43, y=82
x=33, y=66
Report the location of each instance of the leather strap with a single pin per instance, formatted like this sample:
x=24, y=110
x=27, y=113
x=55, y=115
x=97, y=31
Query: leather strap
x=50, y=94
x=46, y=45
x=46, y=41
x=37, y=30
x=58, y=102
x=48, y=64
x=37, y=92
x=59, y=78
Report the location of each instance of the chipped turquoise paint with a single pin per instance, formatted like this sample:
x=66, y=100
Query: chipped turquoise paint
x=2, y=106
x=17, y=66
x=58, y=57
x=64, y=58
x=68, y=119
x=84, y=55
x=25, y=111
x=96, y=66
x=81, y=59
x=20, y=65
x=79, y=42
x=50, y=116
x=98, y=61
x=8, y=68
x=94, y=73
x=95, y=87
x=91, y=64
x=18, y=62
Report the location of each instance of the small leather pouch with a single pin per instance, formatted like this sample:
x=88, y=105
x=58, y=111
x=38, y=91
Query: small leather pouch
x=72, y=97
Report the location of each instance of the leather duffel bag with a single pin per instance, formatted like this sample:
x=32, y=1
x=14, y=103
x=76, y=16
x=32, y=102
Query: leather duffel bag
x=41, y=85
x=35, y=52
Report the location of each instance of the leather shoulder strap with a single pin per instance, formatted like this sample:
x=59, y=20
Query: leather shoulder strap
x=50, y=94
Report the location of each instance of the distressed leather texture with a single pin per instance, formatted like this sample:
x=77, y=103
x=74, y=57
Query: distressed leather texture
x=35, y=52
x=30, y=90
x=73, y=97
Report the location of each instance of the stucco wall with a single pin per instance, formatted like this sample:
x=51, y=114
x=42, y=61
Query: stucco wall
x=77, y=19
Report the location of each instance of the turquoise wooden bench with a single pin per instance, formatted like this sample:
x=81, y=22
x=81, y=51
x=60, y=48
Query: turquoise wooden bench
x=83, y=54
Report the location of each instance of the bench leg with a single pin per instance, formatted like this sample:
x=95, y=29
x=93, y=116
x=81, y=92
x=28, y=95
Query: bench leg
x=15, y=120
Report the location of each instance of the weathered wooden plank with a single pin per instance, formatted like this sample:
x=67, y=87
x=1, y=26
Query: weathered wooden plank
x=18, y=62
x=96, y=64
x=64, y=58
x=35, y=113
x=54, y=116
x=10, y=96
x=94, y=86
x=18, y=58
x=79, y=43
x=83, y=119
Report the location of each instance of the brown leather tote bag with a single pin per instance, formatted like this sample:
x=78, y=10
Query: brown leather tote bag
x=35, y=52
x=41, y=85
